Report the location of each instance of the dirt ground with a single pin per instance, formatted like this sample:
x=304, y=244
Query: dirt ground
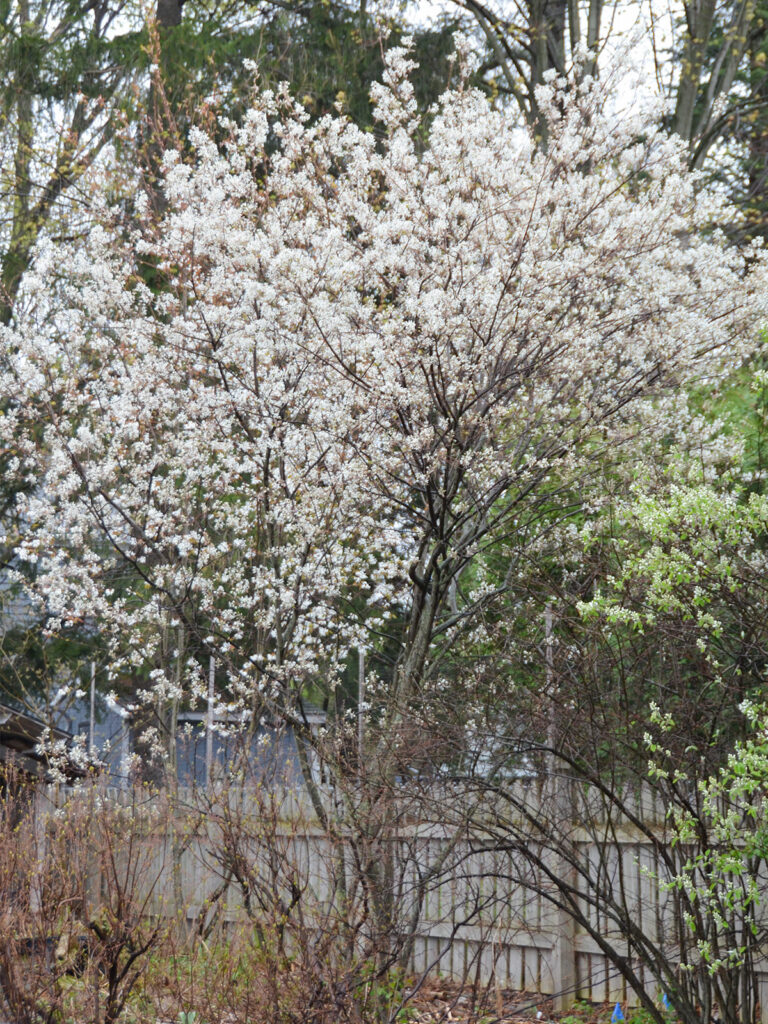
x=443, y=1003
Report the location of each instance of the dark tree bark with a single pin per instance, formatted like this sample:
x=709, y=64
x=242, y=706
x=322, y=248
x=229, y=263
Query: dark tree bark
x=169, y=12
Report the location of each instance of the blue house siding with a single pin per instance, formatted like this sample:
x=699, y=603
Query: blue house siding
x=111, y=739
x=265, y=754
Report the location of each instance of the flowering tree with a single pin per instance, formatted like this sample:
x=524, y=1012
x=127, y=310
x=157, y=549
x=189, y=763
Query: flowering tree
x=288, y=419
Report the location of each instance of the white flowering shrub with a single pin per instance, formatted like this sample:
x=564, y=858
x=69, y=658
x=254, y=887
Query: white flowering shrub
x=293, y=414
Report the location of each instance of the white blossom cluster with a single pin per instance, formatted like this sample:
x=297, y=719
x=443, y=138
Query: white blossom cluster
x=343, y=362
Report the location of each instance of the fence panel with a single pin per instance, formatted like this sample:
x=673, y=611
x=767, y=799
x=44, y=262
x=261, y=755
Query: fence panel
x=488, y=915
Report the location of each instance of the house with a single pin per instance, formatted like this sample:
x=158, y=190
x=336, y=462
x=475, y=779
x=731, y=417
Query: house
x=104, y=726
x=21, y=737
x=17, y=609
x=263, y=751
x=112, y=736
x=203, y=751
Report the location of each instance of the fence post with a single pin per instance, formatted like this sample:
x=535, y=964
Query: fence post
x=564, y=949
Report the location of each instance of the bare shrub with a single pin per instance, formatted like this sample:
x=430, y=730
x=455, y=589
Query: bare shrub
x=306, y=909
x=76, y=882
x=31, y=906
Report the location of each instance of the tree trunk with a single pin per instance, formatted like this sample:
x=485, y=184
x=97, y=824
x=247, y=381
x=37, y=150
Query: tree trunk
x=23, y=233
x=168, y=12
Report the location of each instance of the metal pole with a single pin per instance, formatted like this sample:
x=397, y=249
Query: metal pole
x=360, y=708
x=92, y=720
x=209, y=722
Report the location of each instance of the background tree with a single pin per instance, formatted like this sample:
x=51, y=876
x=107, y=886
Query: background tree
x=76, y=79
x=709, y=62
x=65, y=67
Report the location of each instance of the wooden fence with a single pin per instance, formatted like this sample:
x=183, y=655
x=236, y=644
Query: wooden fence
x=486, y=913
